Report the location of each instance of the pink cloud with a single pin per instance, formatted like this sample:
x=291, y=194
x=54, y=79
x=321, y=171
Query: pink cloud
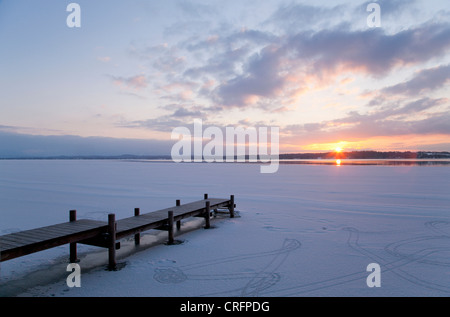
x=137, y=82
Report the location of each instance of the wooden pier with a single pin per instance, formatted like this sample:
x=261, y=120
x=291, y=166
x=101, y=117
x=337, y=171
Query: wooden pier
x=107, y=234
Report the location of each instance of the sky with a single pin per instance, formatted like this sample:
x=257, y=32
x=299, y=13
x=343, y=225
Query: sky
x=135, y=70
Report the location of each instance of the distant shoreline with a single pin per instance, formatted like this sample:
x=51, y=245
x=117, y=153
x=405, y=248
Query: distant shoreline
x=424, y=162
x=324, y=156
x=338, y=162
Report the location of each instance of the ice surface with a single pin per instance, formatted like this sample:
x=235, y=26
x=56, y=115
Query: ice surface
x=306, y=230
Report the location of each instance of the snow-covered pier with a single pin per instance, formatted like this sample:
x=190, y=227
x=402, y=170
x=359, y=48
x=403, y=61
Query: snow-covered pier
x=107, y=234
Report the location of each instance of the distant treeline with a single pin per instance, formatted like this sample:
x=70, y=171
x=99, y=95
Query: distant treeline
x=367, y=155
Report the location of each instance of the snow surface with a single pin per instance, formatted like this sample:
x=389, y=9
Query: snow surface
x=307, y=230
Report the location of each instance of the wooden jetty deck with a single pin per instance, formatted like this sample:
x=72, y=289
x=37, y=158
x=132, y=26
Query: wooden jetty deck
x=106, y=234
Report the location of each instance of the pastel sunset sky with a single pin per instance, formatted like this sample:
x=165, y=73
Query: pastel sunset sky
x=137, y=69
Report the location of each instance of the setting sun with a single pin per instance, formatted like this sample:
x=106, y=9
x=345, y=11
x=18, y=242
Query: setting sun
x=338, y=149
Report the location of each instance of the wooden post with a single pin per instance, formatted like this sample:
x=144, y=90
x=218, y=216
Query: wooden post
x=178, y=203
x=207, y=215
x=231, y=208
x=112, y=241
x=73, y=215
x=170, y=221
x=73, y=245
x=137, y=236
x=206, y=196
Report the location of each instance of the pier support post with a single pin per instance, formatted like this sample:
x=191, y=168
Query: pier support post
x=137, y=236
x=231, y=208
x=207, y=215
x=178, y=203
x=73, y=245
x=112, y=242
x=170, y=229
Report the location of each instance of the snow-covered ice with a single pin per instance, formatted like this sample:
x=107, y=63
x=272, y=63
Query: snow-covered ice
x=307, y=230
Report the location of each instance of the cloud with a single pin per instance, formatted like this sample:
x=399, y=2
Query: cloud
x=391, y=7
x=409, y=117
x=104, y=59
x=226, y=53
x=26, y=145
x=270, y=65
x=424, y=81
x=425, y=116
x=197, y=10
x=180, y=115
x=169, y=63
x=298, y=16
x=371, y=51
x=182, y=112
x=260, y=79
x=285, y=65
x=137, y=82
x=28, y=130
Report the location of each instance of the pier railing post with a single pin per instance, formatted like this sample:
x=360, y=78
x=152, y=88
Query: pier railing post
x=170, y=229
x=231, y=208
x=205, y=196
x=73, y=245
x=207, y=214
x=137, y=236
x=178, y=203
x=112, y=242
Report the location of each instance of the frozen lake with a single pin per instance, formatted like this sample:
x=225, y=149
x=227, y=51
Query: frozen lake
x=307, y=230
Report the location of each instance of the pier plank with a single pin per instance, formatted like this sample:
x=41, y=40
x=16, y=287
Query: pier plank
x=29, y=241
